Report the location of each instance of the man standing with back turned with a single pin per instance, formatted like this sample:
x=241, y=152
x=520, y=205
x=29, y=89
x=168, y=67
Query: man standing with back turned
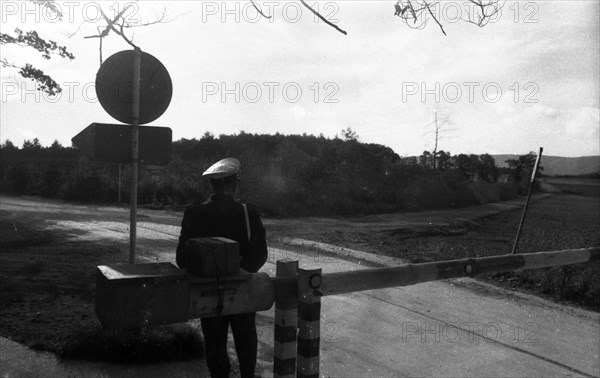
x=223, y=216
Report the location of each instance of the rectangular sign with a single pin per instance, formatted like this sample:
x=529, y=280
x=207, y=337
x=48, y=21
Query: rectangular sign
x=111, y=143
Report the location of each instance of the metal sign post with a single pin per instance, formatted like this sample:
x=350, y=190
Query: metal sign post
x=135, y=112
x=119, y=185
x=135, y=91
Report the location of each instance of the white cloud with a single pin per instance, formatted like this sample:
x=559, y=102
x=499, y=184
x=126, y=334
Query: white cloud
x=584, y=123
x=298, y=111
x=26, y=133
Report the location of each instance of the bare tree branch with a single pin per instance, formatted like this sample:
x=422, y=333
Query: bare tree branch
x=323, y=18
x=436, y=20
x=71, y=35
x=487, y=10
x=401, y=10
x=416, y=12
x=259, y=10
x=162, y=19
x=110, y=25
x=119, y=24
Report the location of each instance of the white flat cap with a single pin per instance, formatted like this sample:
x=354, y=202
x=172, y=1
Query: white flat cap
x=222, y=168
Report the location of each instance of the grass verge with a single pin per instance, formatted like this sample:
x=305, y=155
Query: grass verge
x=47, y=289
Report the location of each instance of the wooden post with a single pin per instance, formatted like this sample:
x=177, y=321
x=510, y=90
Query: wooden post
x=529, y=190
x=135, y=111
x=286, y=325
x=309, y=322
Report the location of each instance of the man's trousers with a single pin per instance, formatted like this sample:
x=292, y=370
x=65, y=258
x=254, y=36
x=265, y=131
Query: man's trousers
x=243, y=327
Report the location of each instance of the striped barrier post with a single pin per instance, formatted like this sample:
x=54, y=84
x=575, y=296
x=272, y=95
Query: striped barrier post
x=309, y=324
x=286, y=325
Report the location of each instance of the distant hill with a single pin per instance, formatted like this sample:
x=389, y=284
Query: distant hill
x=558, y=165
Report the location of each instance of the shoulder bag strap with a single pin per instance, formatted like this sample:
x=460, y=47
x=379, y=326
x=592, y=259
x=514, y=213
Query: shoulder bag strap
x=247, y=221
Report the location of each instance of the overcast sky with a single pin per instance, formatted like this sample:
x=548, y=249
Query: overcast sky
x=528, y=79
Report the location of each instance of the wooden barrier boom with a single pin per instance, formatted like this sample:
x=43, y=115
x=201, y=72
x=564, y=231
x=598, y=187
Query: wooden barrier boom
x=258, y=292
x=411, y=274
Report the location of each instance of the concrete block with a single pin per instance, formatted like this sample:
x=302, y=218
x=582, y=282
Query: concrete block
x=138, y=295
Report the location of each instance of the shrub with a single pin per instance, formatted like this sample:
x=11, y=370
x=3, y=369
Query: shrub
x=444, y=190
x=486, y=192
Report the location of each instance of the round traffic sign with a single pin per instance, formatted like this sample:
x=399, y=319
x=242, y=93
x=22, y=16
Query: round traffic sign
x=114, y=87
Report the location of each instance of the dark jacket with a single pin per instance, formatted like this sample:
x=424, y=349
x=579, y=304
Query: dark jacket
x=222, y=216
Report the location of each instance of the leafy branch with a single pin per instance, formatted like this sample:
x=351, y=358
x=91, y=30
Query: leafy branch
x=47, y=47
x=32, y=39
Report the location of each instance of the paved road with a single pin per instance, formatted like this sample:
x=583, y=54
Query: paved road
x=453, y=329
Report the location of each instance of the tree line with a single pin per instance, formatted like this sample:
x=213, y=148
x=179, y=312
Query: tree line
x=282, y=174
